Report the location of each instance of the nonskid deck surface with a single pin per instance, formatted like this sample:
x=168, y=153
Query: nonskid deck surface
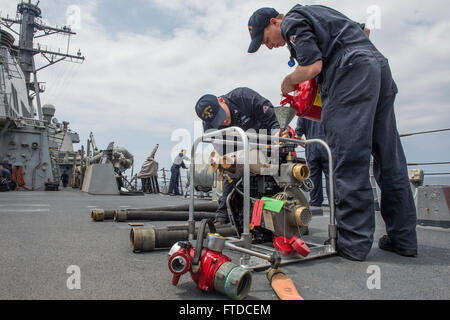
x=42, y=234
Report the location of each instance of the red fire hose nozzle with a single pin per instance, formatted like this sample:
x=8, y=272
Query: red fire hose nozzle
x=179, y=264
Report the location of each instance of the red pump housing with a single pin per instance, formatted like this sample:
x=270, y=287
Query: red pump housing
x=214, y=271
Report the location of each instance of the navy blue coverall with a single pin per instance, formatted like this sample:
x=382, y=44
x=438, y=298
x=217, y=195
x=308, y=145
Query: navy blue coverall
x=249, y=110
x=175, y=173
x=358, y=117
x=316, y=157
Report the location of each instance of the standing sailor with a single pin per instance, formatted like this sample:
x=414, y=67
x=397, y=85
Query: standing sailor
x=175, y=172
x=65, y=179
x=358, y=95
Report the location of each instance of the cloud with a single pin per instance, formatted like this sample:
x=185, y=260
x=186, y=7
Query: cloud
x=136, y=87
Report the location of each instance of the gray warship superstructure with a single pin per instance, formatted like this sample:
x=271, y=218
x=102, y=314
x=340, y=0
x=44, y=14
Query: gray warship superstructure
x=36, y=147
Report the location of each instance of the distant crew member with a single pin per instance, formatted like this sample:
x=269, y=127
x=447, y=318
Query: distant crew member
x=175, y=172
x=65, y=179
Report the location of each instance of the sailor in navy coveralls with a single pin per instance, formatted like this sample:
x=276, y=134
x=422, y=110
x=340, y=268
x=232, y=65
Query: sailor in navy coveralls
x=358, y=117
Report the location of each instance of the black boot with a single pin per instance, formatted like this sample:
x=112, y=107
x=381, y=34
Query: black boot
x=386, y=244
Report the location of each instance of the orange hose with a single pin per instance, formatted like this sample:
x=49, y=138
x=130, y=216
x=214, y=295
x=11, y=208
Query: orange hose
x=282, y=285
x=18, y=177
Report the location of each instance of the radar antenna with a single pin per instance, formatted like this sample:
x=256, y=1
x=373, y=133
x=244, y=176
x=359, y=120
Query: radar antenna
x=31, y=27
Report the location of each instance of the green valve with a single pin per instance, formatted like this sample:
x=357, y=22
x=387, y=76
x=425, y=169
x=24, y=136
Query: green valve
x=271, y=204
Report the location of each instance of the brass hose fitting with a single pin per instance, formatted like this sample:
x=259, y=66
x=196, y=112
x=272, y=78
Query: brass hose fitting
x=101, y=215
x=301, y=172
x=142, y=239
x=97, y=215
x=303, y=216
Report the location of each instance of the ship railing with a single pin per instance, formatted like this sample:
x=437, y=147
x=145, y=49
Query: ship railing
x=165, y=176
x=441, y=163
x=410, y=164
x=22, y=121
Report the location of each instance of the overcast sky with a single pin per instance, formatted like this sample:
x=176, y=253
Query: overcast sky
x=148, y=62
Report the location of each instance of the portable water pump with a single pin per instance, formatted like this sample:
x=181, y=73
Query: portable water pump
x=210, y=269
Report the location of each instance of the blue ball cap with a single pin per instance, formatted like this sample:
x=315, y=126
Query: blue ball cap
x=256, y=25
x=209, y=110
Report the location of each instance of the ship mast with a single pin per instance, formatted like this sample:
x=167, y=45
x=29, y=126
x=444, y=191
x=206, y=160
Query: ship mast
x=31, y=28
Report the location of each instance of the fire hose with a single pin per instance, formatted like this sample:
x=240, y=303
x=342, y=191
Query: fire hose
x=145, y=239
x=124, y=215
x=282, y=285
x=103, y=214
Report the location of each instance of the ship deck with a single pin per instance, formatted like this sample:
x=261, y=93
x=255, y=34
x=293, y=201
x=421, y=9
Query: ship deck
x=43, y=233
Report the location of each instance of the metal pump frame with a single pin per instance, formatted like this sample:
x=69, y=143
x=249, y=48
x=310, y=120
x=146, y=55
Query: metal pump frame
x=261, y=256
